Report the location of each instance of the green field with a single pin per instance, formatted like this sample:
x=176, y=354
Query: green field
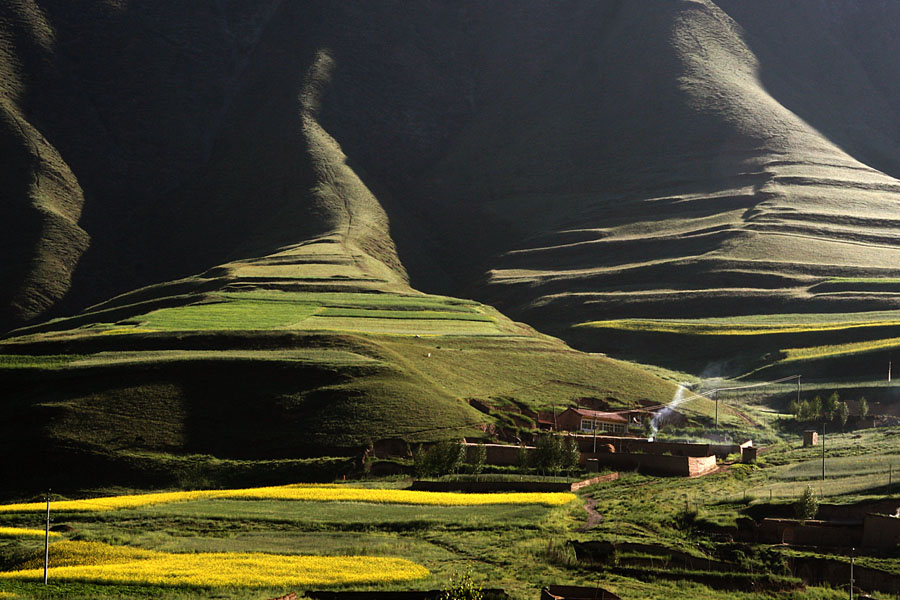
x=516, y=548
x=320, y=348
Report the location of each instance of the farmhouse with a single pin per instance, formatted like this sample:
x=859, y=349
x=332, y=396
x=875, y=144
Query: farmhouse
x=589, y=421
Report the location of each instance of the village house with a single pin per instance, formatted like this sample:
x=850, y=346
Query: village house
x=590, y=421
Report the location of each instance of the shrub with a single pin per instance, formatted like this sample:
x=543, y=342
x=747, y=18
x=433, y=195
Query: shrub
x=462, y=587
x=843, y=413
x=863, y=407
x=807, y=505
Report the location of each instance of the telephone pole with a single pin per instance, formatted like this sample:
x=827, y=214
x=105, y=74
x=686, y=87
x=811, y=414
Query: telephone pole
x=717, y=410
x=47, y=540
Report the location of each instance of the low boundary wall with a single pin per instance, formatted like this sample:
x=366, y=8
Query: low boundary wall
x=816, y=571
x=489, y=594
x=508, y=486
x=656, y=464
x=573, y=592
x=636, y=445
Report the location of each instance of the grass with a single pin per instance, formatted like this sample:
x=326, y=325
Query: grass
x=339, y=379
x=237, y=314
x=759, y=344
x=805, y=354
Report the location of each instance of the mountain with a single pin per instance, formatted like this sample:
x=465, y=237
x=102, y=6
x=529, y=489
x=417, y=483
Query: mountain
x=313, y=188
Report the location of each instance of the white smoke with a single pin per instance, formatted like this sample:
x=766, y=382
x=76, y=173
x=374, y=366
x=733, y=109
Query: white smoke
x=666, y=410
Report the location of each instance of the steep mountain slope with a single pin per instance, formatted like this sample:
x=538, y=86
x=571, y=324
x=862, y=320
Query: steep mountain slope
x=567, y=162
x=658, y=176
x=309, y=342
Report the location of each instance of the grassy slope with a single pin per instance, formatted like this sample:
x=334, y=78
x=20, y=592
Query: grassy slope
x=752, y=181
x=42, y=198
x=716, y=198
x=316, y=347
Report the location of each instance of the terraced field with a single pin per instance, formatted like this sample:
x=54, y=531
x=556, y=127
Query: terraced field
x=247, y=365
x=762, y=343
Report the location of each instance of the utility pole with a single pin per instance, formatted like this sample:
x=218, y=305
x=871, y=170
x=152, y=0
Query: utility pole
x=717, y=410
x=47, y=540
x=823, y=452
x=798, y=389
x=595, y=436
x=852, y=557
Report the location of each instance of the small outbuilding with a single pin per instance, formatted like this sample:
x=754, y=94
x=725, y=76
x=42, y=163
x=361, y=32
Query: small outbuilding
x=810, y=438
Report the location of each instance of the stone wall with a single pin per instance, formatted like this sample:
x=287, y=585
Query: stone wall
x=816, y=571
x=881, y=531
x=656, y=464
x=858, y=511
x=810, y=533
x=498, y=454
x=572, y=592
x=641, y=445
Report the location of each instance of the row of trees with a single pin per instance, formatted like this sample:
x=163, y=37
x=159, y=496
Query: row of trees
x=552, y=454
x=830, y=409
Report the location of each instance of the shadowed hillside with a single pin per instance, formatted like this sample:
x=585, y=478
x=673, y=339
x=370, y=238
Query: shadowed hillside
x=271, y=180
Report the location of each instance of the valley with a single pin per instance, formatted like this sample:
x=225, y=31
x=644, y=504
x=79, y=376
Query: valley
x=271, y=269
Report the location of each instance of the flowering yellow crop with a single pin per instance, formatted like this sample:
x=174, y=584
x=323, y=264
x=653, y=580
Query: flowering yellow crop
x=126, y=330
x=317, y=493
x=93, y=561
x=20, y=532
x=348, y=494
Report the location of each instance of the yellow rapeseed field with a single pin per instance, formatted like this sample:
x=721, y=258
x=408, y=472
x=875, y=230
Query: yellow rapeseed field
x=708, y=328
x=792, y=354
x=97, y=562
x=127, y=330
x=314, y=493
x=21, y=532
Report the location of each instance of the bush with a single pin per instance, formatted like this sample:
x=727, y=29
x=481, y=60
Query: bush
x=462, y=587
x=807, y=505
x=863, y=407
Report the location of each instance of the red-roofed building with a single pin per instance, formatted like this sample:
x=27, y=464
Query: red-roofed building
x=588, y=421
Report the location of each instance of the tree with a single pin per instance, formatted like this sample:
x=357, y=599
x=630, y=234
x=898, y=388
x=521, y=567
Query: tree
x=442, y=458
x=523, y=458
x=571, y=455
x=794, y=408
x=806, y=411
x=815, y=408
x=863, y=407
x=830, y=408
x=843, y=413
x=479, y=457
x=547, y=455
x=555, y=453
x=807, y=505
